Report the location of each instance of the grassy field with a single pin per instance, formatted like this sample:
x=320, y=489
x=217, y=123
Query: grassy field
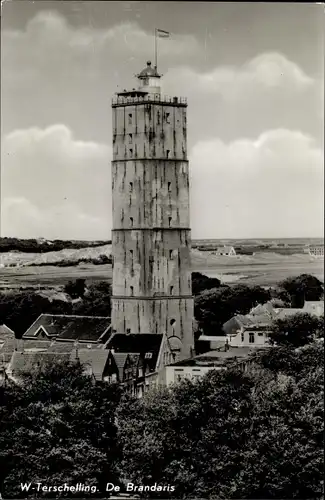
x=263, y=269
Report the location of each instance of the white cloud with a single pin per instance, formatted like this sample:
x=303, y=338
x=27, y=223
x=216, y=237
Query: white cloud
x=269, y=71
x=271, y=186
x=57, y=186
x=54, y=184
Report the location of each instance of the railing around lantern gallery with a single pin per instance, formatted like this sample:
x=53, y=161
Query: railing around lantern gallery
x=123, y=100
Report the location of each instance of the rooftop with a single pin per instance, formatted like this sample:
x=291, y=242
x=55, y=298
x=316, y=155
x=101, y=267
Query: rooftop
x=149, y=71
x=64, y=327
x=134, y=342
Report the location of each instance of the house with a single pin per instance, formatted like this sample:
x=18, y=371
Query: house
x=316, y=250
x=7, y=348
x=226, y=250
x=69, y=328
x=197, y=366
x=138, y=359
x=314, y=307
x=253, y=329
x=24, y=363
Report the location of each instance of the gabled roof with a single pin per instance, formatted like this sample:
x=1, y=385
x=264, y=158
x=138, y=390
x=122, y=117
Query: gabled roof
x=94, y=358
x=5, y=331
x=120, y=360
x=83, y=328
x=286, y=312
x=23, y=363
x=145, y=345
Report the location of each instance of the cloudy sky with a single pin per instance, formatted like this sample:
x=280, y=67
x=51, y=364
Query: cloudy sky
x=253, y=75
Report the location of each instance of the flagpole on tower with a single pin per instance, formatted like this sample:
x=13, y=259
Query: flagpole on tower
x=156, y=52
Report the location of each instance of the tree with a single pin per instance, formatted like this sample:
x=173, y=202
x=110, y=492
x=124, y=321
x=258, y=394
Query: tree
x=303, y=287
x=96, y=302
x=296, y=330
x=20, y=310
x=200, y=282
x=212, y=308
x=76, y=289
x=58, y=428
x=231, y=434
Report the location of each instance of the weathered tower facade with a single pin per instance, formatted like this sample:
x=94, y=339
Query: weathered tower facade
x=151, y=227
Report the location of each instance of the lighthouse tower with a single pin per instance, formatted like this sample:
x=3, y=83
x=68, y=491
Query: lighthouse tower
x=151, y=227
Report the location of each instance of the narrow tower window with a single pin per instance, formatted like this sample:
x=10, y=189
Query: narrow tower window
x=172, y=322
x=131, y=291
x=130, y=138
x=170, y=254
x=169, y=186
x=131, y=221
x=171, y=290
x=130, y=118
x=167, y=117
x=158, y=118
x=131, y=187
x=131, y=151
x=167, y=152
x=128, y=330
x=169, y=221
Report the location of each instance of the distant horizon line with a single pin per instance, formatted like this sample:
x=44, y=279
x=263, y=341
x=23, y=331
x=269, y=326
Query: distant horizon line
x=192, y=239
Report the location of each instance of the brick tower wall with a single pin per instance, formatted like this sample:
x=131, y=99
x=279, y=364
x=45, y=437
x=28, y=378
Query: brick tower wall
x=151, y=235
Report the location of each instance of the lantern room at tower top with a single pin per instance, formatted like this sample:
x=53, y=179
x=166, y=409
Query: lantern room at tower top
x=149, y=89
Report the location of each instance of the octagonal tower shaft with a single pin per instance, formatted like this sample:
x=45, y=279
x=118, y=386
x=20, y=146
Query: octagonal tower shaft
x=151, y=227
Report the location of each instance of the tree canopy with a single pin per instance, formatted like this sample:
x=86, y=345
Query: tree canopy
x=296, y=330
x=301, y=288
x=58, y=428
x=214, y=307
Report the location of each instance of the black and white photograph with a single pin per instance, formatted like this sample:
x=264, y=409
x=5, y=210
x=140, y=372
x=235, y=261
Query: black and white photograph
x=162, y=250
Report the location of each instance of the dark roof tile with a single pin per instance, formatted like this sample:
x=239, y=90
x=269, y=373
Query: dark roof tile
x=91, y=328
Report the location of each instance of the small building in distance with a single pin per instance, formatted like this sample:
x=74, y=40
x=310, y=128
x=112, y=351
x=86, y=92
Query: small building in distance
x=316, y=250
x=226, y=250
x=252, y=330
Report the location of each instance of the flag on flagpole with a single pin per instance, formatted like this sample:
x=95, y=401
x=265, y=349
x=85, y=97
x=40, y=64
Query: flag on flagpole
x=162, y=33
